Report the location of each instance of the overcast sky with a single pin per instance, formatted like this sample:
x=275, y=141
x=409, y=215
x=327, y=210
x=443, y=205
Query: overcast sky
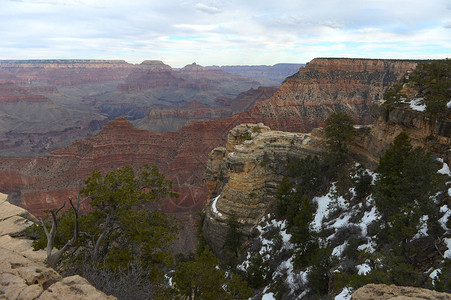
x=220, y=32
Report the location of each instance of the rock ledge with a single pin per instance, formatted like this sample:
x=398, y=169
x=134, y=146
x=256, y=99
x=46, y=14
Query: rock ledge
x=23, y=273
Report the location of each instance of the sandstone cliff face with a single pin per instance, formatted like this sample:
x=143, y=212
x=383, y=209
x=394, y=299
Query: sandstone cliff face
x=23, y=274
x=392, y=292
x=243, y=177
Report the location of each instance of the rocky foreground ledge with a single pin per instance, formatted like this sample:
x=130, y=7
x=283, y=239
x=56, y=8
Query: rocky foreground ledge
x=23, y=273
x=393, y=292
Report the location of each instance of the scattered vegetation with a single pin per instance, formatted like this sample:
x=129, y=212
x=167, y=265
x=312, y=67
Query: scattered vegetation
x=429, y=80
x=433, y=82
x=202, y=278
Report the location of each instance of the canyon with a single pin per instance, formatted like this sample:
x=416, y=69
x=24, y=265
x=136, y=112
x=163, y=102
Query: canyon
x=46, y=104
x=302, y=103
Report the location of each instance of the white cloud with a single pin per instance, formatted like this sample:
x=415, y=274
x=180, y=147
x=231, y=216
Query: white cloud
x=207, y=9
x=223, y=32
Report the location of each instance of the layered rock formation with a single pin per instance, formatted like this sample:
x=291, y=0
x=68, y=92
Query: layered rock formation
x=45, y=182
x=243, y=177
x=173, y=118
x=392, y=292
x=68, y=72
x=46, y=104
x=32, y=122
x=308, y=97
x=23, y=274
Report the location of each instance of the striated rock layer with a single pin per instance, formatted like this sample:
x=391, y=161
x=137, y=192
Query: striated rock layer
x=46, y=104
x=23, y=273
x=307, y=98
x=243, y=177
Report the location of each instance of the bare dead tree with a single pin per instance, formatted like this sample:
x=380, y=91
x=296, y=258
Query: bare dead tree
x=54, y=257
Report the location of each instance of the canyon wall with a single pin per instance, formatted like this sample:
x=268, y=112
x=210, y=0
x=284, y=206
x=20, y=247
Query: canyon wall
x=433, y=134
x=325, y=85
x=302, y=103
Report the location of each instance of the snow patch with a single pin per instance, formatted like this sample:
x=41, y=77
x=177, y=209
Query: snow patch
x=448, y=104
x=339, y=249
x=363, y=269
x=341, y=221
x=345, y=294
x=370, y=247
x=434, y=274
x=447, y=213
x=417, y=104
x=325, y=206
x=423, y=231
x=213, y=206
x=269, y=296
x=444, y=170
x=367, y=219
x=447, y=253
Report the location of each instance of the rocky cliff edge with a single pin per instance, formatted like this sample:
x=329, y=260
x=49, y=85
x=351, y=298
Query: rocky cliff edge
x=23, y=273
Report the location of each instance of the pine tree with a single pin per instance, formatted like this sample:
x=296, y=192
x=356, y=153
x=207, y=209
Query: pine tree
x=339, y=132
x=233, y=240
x=202, y=278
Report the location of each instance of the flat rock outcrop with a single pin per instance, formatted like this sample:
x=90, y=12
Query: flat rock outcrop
x=23, y=273
x=392, y=292
x=243, y=177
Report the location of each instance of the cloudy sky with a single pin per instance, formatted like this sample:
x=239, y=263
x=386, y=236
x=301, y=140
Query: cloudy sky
x=220, y=32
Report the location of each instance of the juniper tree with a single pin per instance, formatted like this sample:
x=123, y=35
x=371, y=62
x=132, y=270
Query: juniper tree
x=121, y=225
